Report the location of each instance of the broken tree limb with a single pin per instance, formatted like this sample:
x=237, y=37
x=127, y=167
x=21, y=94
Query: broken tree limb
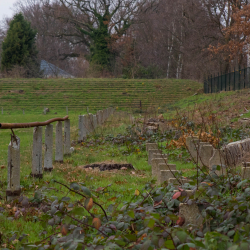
x=30, y=124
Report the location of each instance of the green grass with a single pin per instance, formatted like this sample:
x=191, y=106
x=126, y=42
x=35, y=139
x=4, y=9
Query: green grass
x=123, y=183
x=78, y=94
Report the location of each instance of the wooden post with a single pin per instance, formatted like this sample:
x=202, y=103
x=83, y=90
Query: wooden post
x=13, y=187
x=37, y=168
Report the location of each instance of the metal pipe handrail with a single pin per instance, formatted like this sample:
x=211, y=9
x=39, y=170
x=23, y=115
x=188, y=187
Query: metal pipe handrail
x=31, y=124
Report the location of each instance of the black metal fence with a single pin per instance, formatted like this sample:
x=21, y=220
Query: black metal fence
x=239, y=79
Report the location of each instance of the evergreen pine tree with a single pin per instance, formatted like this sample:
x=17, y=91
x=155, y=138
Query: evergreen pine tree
x=18, y=47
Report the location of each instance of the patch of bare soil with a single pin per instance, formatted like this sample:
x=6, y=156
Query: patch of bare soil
x=107, y=165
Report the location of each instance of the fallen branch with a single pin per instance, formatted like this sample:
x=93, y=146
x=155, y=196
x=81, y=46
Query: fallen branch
x=31, y=124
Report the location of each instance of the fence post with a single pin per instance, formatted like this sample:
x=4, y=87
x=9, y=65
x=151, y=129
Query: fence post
x=205, y=81
x=101, y=117
x=95, y=121
x=13, y=187
x=59, y=143
x=90, y=123
x=225, y=81
x=67, y=111
x=2, y=110
x=80, y=127
x=234, y=79
x=218, y=83
x=244, y=78
x=221, y=82
x=67, y=137
x=48, y=154
x=212, y=84
x=37, y=168
x=98, y=117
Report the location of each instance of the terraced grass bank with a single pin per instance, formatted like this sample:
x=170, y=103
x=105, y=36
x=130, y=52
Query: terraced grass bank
x=78, y=94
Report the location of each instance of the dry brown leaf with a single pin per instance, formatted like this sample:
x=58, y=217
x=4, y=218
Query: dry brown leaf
x=96, y=223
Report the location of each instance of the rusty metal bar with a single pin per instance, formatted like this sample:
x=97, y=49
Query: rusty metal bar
x=30, y=124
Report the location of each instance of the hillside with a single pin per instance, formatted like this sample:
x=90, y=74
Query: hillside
x=231, y=107
x=78, y=94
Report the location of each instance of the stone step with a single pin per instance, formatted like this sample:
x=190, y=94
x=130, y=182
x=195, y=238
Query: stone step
x=176, y=183
x=151, y=146
x=165, y=175
x=151, y=153
x=155, y=162
x=163, y=166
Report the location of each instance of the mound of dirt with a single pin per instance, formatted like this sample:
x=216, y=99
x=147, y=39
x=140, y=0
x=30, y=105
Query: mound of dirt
x=110, y=166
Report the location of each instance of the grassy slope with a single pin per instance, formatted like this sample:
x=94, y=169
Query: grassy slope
x=229, y=107
x=124, y=182
x=78, y=94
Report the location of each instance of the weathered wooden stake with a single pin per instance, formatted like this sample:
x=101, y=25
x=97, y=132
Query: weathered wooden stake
x=48, y=156
x=37, y=168
x=80, y=127
x=13, y=187
x=59, y=143
x=67, y=137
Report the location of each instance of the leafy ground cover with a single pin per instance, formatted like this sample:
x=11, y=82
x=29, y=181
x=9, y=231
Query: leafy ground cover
x=111, y=143
x=78, y=94
x=72, y=208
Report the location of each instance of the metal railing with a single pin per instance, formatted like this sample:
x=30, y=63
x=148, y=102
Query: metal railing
x=236, y=80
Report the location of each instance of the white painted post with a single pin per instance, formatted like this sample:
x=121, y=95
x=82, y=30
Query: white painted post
x=48, y=155
x=23, y=112
x=13, y=187
x=37, y=160
x=67, y=137
x=67, y=111
x=59, y=142
x=2, y=110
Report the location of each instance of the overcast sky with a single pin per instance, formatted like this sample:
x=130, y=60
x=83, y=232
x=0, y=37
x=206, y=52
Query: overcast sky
x=5, y=8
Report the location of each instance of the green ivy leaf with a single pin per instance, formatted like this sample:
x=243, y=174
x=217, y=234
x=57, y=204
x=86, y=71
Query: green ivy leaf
x=146, y=245
x=65, y=199
x=131, y=213
x=86, y=191
x=169, y=244
x=131, y=237
x=78, y=211
x=151, y=223
x=74, y=186
x=230, y=233
x=181, y=235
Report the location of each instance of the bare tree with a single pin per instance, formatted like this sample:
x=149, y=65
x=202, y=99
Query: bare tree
x=96, y=23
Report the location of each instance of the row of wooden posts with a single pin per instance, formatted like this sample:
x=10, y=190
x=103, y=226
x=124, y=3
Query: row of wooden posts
x=87, y=124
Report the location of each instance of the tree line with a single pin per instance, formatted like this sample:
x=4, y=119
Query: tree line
x=137, y=38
